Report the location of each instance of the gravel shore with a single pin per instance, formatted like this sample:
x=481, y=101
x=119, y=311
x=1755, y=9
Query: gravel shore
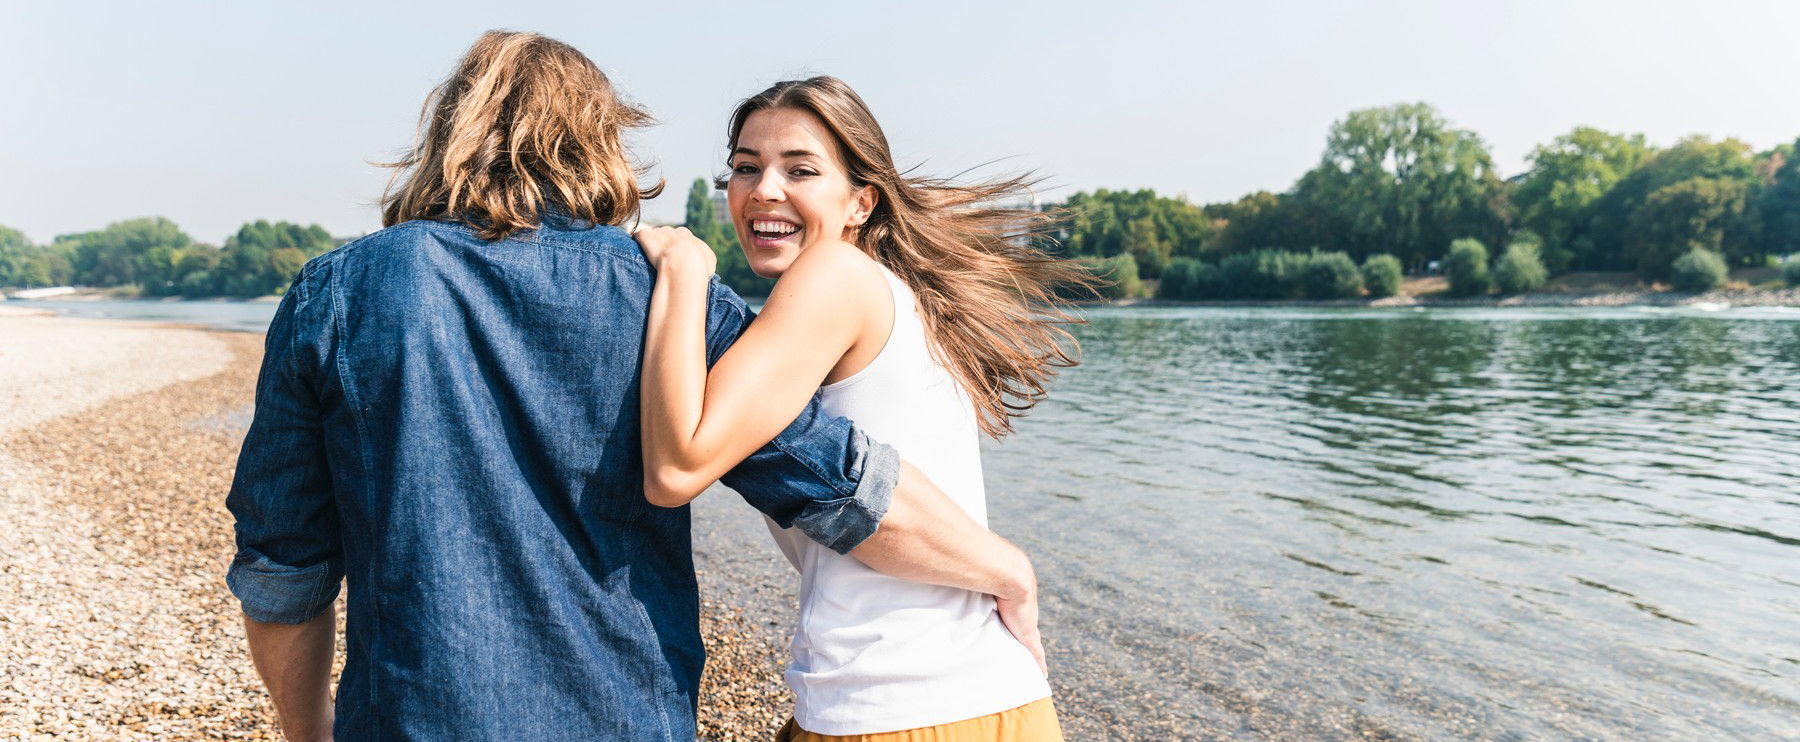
x=117, y=443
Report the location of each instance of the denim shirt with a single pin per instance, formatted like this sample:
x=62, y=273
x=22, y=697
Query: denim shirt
x=451, y=426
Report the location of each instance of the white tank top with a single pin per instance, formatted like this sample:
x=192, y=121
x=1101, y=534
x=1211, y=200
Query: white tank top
x=877, y=654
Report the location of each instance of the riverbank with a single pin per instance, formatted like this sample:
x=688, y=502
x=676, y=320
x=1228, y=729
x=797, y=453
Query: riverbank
x=117, y=444
x=1789, y=297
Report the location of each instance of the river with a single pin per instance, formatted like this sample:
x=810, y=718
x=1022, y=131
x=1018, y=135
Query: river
x=1423, y=523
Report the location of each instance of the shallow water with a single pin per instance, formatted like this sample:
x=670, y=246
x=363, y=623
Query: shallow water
x=244, y=316
x=1493, y=522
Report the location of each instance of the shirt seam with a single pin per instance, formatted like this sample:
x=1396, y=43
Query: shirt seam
x=535, y=237
x=354, y=401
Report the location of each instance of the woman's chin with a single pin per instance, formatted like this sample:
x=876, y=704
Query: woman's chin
x=771, y=268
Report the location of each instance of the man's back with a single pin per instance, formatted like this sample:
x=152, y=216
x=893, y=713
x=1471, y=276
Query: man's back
x=452, y=425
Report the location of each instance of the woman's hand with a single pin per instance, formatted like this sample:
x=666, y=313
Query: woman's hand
x=676, y=249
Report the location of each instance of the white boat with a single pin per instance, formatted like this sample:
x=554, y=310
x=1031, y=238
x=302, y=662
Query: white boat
x=44, y=293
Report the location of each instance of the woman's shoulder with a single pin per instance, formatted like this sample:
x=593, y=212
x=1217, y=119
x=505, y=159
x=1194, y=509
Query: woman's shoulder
x=839, y=259
x=833, y=270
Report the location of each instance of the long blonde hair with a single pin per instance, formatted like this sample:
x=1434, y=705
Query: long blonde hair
x=525, y=122
x=989, y=296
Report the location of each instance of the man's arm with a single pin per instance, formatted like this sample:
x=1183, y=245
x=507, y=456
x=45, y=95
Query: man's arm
x=925, y=537
x=294, y=661
x=289, y=563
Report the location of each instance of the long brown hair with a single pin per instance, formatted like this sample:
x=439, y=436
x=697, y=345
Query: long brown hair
x=524, y=123
x=989, y=297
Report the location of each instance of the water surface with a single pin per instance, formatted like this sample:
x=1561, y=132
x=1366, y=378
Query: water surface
x=244, y=316
x=1423, y=523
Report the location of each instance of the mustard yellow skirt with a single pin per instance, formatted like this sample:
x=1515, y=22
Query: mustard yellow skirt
x=1032, y=722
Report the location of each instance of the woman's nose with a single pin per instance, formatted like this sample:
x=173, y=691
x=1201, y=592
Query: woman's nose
x=768, y=187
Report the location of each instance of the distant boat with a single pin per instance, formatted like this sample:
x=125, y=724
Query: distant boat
x=43, y=293
x=1710, y=306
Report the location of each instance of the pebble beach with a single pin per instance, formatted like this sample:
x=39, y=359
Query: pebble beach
x=117, y=444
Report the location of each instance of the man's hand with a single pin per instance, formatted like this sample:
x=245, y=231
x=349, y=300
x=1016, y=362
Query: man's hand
x=924, y=537
x=1021, y=618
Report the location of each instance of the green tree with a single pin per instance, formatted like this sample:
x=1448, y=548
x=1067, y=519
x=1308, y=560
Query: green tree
x=1779, y=203
x=1610, y=229
x=1400, y=180
x=134, y=251
x=1106, y=223
x=1698, y=271
x=262, y=258
x=1566, y=177
x=1145, y=247
x=1178, y=279
x=1382, y=275
x=1264, y=219
x=1119, y=276
x=1519, y=269
x=1694, y=214
x=1467, y=267
x=19, y=262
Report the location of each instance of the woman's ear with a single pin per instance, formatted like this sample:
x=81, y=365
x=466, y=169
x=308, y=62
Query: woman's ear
x=866, y=197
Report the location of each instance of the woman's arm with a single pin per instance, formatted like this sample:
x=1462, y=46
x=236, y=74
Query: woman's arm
x=697, y=425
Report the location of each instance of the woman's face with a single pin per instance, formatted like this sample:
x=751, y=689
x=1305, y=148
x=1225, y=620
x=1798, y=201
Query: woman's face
x=789, y=190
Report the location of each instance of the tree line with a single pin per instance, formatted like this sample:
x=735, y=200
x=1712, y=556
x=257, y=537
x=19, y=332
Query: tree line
x=153, y=257
x=1400, y=181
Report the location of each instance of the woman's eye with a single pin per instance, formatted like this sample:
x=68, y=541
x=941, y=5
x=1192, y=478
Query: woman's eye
x=744, y=170
x=803, y=173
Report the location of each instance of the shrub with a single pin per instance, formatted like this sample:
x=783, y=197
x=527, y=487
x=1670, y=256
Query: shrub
x=1698, y=271
x=1467, y=268
x=1262, y=274
x=1331, y=275
x=1120, y=274
x=1382, y=275
x=197, y=284
x=1790, y=270
x=1187, y=278
x=1519, y=269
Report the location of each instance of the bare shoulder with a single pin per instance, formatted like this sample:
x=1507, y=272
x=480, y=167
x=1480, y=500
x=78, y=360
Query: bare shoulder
x=835, y=270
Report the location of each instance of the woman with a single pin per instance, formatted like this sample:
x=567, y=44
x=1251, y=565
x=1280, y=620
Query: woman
x=928, y=319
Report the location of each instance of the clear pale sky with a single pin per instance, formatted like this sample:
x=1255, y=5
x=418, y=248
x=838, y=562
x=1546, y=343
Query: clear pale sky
x=213, y=114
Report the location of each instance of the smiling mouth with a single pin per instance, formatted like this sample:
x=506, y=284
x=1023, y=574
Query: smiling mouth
x=773, y=230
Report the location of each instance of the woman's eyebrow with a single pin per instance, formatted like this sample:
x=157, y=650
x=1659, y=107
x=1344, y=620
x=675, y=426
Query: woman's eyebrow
x=790, y=153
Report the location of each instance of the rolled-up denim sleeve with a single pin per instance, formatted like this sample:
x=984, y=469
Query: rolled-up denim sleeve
x=821, y=474
x=289, y=560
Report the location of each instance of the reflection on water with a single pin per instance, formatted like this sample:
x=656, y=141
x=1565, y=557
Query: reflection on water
x=1537, y=523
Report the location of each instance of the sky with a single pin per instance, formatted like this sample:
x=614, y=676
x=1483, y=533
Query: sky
x=214, y=114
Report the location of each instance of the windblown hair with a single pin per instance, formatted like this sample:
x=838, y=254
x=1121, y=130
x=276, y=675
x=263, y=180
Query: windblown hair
x=990, y=298
x=525, y=123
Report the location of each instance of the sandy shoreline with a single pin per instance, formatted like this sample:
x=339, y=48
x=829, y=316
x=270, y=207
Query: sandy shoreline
x=117, y=443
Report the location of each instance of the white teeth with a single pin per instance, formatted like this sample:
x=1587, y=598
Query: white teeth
x=773, y=226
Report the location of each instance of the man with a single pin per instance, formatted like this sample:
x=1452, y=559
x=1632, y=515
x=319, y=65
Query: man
x=447, y=417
